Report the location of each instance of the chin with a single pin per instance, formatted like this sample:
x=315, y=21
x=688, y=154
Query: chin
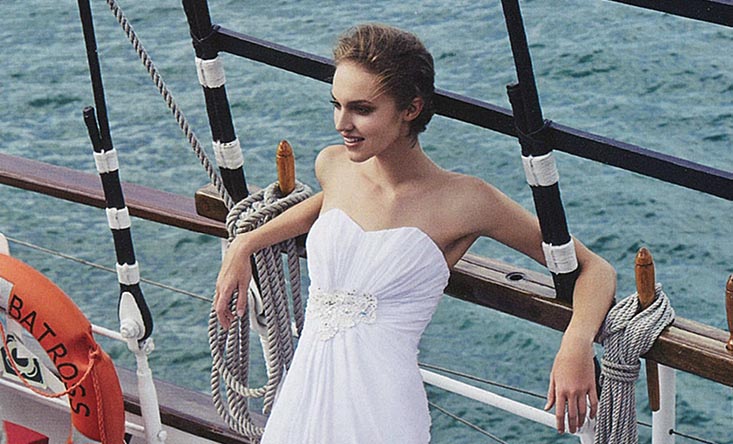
x=358, y=156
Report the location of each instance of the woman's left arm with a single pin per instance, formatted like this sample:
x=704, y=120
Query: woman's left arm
x=572, y=380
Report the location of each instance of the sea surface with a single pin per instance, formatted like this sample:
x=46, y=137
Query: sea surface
x=642, y=77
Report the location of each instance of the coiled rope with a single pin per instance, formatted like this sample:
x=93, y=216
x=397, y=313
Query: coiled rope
x=269, y=313
x=626, y=335
x=230, y=349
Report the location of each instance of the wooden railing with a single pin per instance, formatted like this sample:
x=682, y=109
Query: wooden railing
x=686, y=345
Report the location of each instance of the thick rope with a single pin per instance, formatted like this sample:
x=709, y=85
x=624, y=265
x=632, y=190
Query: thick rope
x=626, y=335
x=230, y=349
x=170, y=102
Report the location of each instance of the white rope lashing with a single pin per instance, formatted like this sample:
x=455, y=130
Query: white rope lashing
x=128, y=274
x=106, y=161
x=560, y=258
x=626, y=335
x=541, y=170
x=228, y=154
x=269, y=315
x=118, y=219
x=211, y=72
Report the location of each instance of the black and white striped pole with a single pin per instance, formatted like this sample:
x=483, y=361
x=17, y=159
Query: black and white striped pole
x=105, y=158
x=538, y=160
x=210, y=70
x=136, y=321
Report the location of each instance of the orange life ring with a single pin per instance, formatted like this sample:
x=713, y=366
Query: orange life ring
x=95, y=395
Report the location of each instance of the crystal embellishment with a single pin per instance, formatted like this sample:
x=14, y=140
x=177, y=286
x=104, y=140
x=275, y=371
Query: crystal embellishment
x=339, y=310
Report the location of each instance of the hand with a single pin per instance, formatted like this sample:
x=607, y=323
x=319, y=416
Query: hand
x=572, y=383
x=234, y=275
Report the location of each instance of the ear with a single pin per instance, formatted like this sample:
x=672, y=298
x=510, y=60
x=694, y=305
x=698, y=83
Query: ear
x=414, y=109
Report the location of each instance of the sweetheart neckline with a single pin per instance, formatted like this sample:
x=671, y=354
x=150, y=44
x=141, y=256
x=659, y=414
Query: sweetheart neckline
x=425, y=235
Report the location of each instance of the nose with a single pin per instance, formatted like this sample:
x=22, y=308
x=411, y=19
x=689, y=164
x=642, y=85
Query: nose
x=342, y=121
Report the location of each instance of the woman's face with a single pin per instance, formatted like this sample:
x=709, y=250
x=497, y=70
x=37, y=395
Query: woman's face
x=368, y=120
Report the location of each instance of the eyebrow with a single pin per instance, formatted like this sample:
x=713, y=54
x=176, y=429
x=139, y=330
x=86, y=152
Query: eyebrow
x=353, y=103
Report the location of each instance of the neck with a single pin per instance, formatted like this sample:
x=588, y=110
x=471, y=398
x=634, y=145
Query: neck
x=401, y=164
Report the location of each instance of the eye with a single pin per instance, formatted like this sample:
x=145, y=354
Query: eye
x=363, y=110
x=335, y=104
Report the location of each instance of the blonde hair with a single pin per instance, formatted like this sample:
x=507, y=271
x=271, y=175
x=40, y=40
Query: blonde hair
x=400, y=61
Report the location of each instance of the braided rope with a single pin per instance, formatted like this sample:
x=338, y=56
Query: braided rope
x=626, y=335
x=170, y=102
x=230, y=349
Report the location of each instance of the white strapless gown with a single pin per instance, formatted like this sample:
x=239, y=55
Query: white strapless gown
x=354, y=378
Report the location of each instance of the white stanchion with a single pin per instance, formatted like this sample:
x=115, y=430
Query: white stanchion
x=663, y=420
x=585, y=434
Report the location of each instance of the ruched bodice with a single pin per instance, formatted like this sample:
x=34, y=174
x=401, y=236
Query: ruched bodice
x=354, y=377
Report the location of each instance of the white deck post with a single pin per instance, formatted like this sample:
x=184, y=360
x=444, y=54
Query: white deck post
x=663, y=421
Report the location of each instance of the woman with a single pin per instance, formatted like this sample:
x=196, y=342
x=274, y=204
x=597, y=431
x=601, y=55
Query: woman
x=387, y=227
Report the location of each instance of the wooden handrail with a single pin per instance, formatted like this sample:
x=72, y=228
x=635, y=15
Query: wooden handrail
x=85, y=188
x=685, y=345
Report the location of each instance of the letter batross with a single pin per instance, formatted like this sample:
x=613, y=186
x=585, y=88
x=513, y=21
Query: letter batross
x=67, y=370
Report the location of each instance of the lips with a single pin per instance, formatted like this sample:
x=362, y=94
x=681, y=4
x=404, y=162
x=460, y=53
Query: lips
x=351, y=141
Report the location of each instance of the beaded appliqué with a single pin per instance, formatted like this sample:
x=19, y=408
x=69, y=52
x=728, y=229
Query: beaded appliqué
x=339, y=310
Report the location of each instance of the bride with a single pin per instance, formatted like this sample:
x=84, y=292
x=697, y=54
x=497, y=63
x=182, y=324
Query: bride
x=385, y=230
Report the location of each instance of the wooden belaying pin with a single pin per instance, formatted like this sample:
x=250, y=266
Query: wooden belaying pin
x=285, y=167
x=645, y=279
x=729, y=311
x=645, y=288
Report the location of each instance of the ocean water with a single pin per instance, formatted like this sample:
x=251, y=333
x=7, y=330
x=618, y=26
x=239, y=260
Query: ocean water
x=641, y=77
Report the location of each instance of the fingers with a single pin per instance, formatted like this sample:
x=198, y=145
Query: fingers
x=221, y=307
x=242, y=299
x=560, y=414
x=550, y=395
x=593, y=395
x=582, y=411
x=577, y=410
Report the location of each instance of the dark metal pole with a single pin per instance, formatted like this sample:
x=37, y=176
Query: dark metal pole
x=217, y=104
x=531, y=128
x=99, y=134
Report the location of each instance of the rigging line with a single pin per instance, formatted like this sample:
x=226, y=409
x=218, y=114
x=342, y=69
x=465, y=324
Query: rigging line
x=466, y=422
x=170, y=102
x=104, y=268
x=691, y=437
x=479, y=379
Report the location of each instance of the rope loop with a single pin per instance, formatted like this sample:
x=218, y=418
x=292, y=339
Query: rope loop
x=626, y=334
x=616, y=372
x=269, y=314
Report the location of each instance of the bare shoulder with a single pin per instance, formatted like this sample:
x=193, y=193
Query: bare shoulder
x=480, y=206
x=469, y=191
x=328, y=161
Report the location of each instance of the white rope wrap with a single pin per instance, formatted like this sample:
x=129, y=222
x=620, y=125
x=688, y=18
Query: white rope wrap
x=128, y=274
x=106, y=161
x=228, y=154
x=626, y=336
x=118, y=219
x=210, y=72
x=560, y=259
x=229, y=349
x=540, y=170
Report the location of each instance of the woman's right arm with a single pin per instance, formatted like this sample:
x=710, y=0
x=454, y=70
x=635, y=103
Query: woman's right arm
x=236, y=271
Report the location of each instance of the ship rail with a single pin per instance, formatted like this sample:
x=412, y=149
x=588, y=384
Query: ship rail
x=686, y=345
